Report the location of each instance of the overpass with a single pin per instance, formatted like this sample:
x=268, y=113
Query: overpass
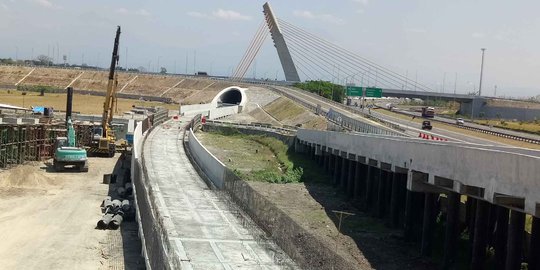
x=426, y=95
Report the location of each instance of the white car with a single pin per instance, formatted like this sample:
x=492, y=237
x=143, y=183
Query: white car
x=460, y=121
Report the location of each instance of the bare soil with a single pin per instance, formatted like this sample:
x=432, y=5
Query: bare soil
x=48, y=220
x=86, y=104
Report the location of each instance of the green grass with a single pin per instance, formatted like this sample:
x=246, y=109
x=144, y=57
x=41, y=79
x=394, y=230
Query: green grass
x=530, y=127
x=261, y=158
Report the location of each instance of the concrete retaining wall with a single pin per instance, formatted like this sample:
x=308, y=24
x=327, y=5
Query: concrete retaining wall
x=222, y=111
x=195, y=109
x=152, y=225
x=211, y=166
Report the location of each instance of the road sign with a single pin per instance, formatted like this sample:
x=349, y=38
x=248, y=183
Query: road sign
x=354, y=91
x=373, y=92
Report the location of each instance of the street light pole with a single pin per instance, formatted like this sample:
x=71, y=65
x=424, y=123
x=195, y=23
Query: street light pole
x=481, y=72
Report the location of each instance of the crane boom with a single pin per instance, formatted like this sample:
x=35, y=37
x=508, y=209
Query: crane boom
x=111, y=88
x=104, y=140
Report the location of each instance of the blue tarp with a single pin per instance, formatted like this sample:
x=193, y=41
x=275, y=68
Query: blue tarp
x=38, y=109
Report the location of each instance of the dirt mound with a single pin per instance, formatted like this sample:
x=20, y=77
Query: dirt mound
x=27, y=176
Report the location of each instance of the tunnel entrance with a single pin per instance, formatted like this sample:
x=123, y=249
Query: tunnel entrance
x=230, y=97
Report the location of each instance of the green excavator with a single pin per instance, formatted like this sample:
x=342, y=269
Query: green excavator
x=66, y=152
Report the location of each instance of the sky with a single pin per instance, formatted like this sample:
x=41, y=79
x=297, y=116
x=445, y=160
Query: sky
x=433, y=40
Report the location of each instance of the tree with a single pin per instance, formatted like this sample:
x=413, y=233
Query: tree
x=44, y=60
x=163, y=70
x=325, y=89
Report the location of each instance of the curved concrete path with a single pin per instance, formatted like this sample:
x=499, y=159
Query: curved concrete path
x=204, y=232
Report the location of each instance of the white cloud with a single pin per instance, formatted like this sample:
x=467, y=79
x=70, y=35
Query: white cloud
x=197, y=14
x=122, y=11
x=143, y=12
x=304, y=14
x=220, y=14
x=415, y=30
x=363, y=2
x=230, y=15
x=477, y=35
x=360, y=11
x=322, y=17
x=140, y=12
x=46, y=4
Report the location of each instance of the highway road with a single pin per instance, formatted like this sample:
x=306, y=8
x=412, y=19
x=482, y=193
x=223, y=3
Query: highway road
x=413, y=129
x=470, y=124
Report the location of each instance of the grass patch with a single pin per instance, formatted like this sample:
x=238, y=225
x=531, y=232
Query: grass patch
x=260, y=158
x=283, y=108
x=529, y=127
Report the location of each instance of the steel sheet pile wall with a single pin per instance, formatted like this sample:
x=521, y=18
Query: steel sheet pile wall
x=20, y=143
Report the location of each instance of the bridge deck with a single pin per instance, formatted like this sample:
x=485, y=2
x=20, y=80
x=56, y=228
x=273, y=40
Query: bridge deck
x=203, y=231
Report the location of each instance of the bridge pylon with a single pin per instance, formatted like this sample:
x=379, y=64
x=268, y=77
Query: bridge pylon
x=291, y=74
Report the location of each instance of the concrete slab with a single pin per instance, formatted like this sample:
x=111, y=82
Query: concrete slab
x=204, y=231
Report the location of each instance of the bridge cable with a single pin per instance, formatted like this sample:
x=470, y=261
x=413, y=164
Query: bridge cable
x=350, y=54
x=248, y=50
x=248, y=53
x=326, y=59
x=399, y=79
x=251, y=52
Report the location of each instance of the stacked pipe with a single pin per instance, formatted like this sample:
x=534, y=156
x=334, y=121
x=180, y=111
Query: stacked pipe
x=114, y=212
x=117, y=210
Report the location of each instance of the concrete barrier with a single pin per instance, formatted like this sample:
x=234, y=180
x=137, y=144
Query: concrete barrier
x=222, y=112
x=189, y=110
x=211, y=166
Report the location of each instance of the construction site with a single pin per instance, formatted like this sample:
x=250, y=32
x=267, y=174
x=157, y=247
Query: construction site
x=119, y=168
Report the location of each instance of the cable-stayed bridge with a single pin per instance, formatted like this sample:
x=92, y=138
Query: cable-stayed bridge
x=305, y=56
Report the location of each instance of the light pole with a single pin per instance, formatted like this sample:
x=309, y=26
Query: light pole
x=481, y=72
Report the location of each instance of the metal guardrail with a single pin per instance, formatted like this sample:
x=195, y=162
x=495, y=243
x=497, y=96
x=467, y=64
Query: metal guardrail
x=343, y=120
x=254, y=125
x=481, y=130
x=160, y=116
x=358, y=126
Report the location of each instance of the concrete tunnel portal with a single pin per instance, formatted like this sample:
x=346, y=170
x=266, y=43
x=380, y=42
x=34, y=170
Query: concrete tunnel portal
x=230, y=96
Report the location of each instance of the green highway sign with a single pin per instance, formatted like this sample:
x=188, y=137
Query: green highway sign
x=373, y=92
x=354, y=91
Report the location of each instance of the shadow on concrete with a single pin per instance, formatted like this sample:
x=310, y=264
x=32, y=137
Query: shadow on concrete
x=383, y=248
